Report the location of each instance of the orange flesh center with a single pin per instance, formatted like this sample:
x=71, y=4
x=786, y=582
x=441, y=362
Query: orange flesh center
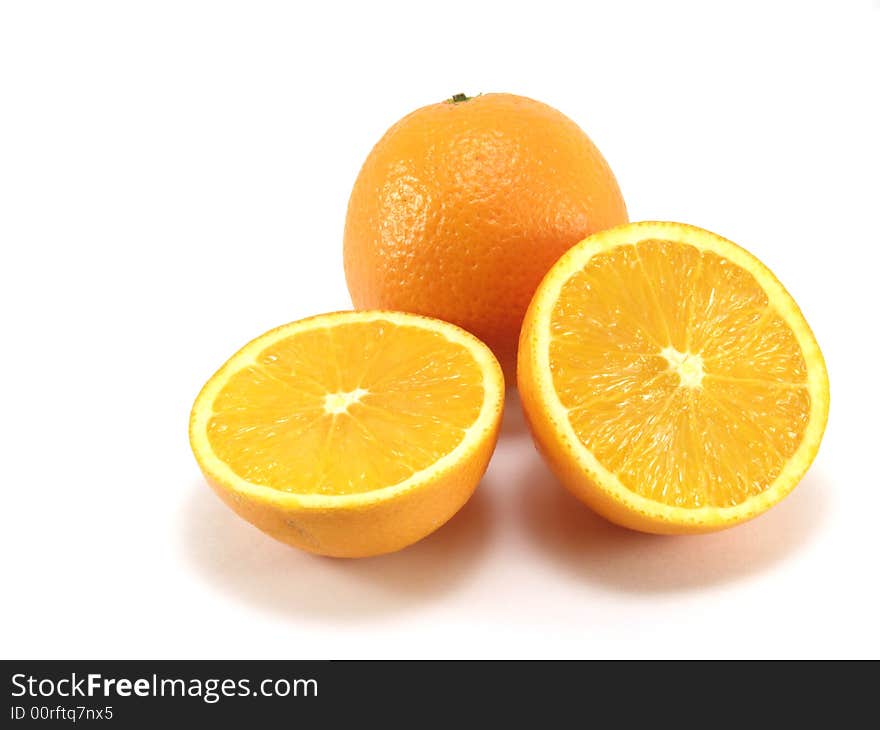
x=346, y=409
x=678, y=374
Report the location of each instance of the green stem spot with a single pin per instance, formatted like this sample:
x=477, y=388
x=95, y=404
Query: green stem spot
x=458, y=98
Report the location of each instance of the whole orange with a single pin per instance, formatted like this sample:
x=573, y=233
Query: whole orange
x=463, y=206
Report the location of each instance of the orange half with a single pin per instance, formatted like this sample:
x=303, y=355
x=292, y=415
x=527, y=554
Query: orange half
x=353, y=433
x=670, y=380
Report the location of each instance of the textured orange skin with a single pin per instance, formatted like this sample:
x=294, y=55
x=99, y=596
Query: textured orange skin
x=461, y=208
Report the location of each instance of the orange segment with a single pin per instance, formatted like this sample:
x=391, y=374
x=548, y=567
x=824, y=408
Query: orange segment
x=332, y=417
x=671, y=380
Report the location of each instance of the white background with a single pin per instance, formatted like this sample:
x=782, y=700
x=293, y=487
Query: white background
x=173, y=182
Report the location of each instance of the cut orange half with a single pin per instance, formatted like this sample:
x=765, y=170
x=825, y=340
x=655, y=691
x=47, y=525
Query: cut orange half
x=353, y=433
x=670, y=380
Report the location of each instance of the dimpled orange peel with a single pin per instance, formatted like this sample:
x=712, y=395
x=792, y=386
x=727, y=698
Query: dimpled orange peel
x=462, y=207
x=350, y=434
x=669, y=379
